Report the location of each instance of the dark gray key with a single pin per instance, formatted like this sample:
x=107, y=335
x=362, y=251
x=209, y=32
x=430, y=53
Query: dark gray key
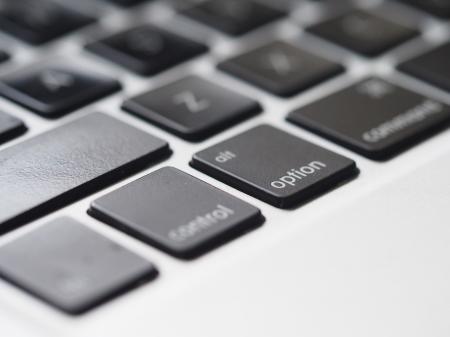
x=363, y=32
x=38, y=22
x=281, y=68
x=374, y=118
x=72, y=267
x=192, y=107
x=274, y=166
x=10, y=127
x=127, y=3
x=4, y=56
x=55, y=168
x=52, y=90
x=147, y=50
x=233, y=17
x=432, y=67
x=176, y=213
x=440, y=8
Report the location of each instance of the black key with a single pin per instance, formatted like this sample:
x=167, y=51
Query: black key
x=364, y=32
x=72, y=267
x=233, y=17
x=274, y=166
x=147, y=50
x=176, y=212
x=281, y=68
x=38, y=22
x=192, y=107
x=127, y=3
x=52, y=90
x=432, y=67
x=374, y=118
x=440, y=8
x=10, y=127
x=55, y=168
x=4, y=56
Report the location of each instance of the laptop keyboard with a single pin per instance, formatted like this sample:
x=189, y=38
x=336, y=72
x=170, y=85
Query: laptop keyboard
x=83, y=151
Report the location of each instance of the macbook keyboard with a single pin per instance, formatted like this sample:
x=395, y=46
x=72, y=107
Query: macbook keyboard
x=148, y=120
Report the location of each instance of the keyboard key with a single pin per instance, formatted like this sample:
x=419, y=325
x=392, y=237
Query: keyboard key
x=176, y=213
x=440, y=8
x=192, y=107
x=126, y=3
x=52, y=90
x=64, y=164
x=281, y=68
x=274, y=166
x=363, y=32
x=38, y=22
x=10, y=127
x=147, y=50
x=72, y=267
x=4, y=56
x=233, y=17
x=432, y=67
x=374, y=118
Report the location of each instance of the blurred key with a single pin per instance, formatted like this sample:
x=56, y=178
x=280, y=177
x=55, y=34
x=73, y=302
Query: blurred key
x=4, y=56
x=363, y=32
x=127, y=3
x=10, y=127
x=38, y=22
x=440, y=8
x=432, y=67
x=147, y=50
x=233, y=17
x=374, y=117
x=192, y=108
x=281, y=68
x=52, y=90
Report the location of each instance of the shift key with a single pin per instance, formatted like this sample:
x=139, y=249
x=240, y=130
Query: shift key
x=274, y=166
x=62, y=165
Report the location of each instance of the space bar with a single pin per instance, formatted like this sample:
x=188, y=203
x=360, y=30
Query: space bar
x=58, y=167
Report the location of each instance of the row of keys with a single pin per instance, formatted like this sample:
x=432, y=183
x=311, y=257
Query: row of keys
x=278, y=67
x=94, y=151
x=40, y=23
x=194, y=108
x=147, y=50
x=98, y=150
x=169, y=209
